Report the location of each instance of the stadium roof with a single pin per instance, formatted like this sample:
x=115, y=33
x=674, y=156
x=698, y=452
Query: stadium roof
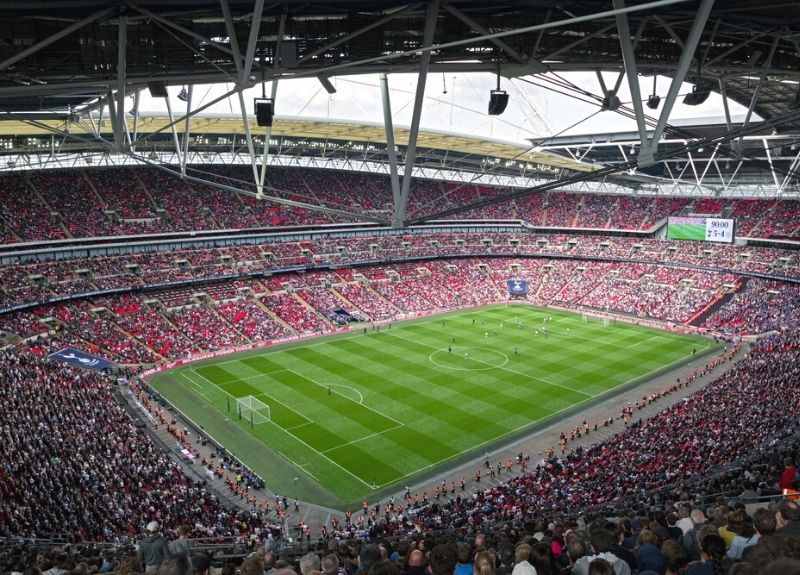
x=71, y=58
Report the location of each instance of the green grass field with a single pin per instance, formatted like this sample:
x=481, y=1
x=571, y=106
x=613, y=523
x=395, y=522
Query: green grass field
x=355, y=414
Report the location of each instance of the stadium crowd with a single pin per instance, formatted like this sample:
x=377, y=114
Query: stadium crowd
x=663, y=495
x=55, y=204
x=172, y=323
x=74, y=463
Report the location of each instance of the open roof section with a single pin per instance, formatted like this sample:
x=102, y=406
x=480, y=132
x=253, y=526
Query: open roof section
x=69, y=58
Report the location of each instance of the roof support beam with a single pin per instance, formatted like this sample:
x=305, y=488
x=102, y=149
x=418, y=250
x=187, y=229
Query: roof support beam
x=172, y=123
x=612, y=169
x=669, y=30
x=275, y=199
x=55, y=37
x=577, y=42
x=790, y=172
x=157, y=18
x=135, y=135
x=709, y=161
x=248, y=137
x=244, y=71
x=762, y=75
x=113, y=118
x=122, y=54
x=255, y=27
x=401, y=209
x=186, y=130
x=648, y=149
x=273, y=95
x=390, y=147
x=383, y=58
x=389, y=17
x=771, y=167
x=724, y=93
x=194, y=112
x=231, y=29
x=536, y=67
x=629, y=61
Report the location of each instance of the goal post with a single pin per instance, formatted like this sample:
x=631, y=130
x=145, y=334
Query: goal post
x=591, y=318
x=253, y=410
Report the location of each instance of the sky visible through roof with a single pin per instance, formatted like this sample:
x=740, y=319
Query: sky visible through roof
x=537, y=108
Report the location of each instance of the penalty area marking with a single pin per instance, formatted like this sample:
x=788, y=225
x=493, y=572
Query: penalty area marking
x=335, y=385
x=488, y=365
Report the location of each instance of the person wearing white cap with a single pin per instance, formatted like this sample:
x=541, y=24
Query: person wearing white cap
x=153, y=549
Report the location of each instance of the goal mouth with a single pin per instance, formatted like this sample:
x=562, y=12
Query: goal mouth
x=592, y=318
x=252, y=409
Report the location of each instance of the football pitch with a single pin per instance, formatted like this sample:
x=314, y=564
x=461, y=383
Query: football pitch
x=338, y=418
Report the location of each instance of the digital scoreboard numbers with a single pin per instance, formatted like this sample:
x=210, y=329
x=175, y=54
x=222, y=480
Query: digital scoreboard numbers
x=701, y=229
x=719, y=230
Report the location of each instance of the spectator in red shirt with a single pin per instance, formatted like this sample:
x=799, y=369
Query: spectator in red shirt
x=789, y=474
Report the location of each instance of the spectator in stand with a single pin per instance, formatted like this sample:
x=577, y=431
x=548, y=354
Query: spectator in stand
x=648, y=555
x=464, y=563
x=601, y=543
x=416, y=563
x=484, y=564
x=675, y=557
x=787, y=519
x=177, y=565
x=182, y=545
x=764, y=525
x=153, y=549
x=308, y=563
x=442, y=560
x=712, y=555
x=746, y=536
x=789, y=475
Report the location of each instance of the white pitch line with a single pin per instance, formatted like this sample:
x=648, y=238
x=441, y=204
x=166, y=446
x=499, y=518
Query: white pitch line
x=301, y=441
x=643, y=341
x=505, y=369
x=309, y=422
x=363, y=438
x=347, y=398
x=293, y=427
x=524, y=425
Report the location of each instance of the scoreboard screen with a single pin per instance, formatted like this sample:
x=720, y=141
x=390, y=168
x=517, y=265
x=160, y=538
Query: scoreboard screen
x=701, y=229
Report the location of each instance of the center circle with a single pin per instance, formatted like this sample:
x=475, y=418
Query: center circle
x=477, y=359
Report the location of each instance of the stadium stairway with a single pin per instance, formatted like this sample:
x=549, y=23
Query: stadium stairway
x=226, y=321
x=60, y=221
x=266, y=309
x=699, y=318
x=312, y=310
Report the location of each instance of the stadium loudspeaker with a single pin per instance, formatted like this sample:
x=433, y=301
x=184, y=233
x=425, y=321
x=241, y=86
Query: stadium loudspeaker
x=157, y=89
x=498, y=100
x=264, y=112
x=698, y=95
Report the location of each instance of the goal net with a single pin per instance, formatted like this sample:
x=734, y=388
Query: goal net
x=590, y=318
x=251, y=409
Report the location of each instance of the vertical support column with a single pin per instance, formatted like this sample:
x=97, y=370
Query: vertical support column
x=172, y=125
x=122, y=53
x=273, y=95
x=648, y=150
x=135, y=120
x=388, y=126
x=244, y=70
x=401, y=209
x=185, y=154
x=629, y=62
